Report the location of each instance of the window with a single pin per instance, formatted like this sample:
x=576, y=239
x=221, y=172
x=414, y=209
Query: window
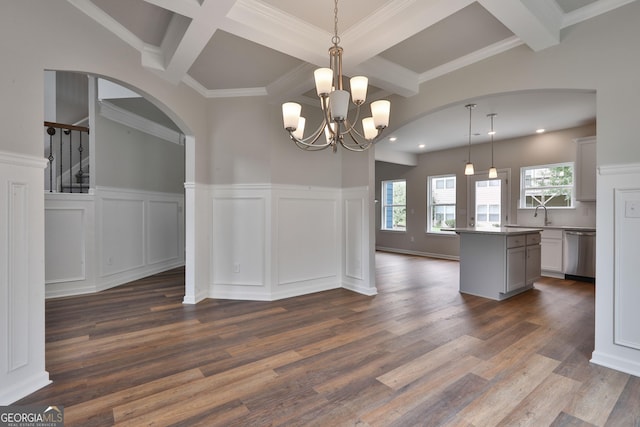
x=547, y=185
x=488, y=203
x=394, y=205
x=441, y=203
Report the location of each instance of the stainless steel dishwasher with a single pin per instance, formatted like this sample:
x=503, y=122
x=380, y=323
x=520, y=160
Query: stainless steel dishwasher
x=580, y=253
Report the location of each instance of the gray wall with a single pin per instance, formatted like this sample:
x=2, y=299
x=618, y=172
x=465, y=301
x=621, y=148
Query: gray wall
x=130, y=159
x=250, y=145
x=553, y=147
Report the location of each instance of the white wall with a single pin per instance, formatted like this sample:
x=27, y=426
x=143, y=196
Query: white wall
x=278, y=241
x=617, y=290
x=128, y=158
x=95, y=242
x=22, y=367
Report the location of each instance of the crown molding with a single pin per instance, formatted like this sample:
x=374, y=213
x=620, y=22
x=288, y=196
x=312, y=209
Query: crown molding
x=479, y=55
x=592, y=10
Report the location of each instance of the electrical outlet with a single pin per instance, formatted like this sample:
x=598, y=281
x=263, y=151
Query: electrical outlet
x=632, y=209
x=236, y=267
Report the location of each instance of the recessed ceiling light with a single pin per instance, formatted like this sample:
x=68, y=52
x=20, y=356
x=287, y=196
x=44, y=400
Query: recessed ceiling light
x=539, y=130
x=392, y=139
x=421, y=146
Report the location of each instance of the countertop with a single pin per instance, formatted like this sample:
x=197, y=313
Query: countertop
x=554, y=227
x=497, y=230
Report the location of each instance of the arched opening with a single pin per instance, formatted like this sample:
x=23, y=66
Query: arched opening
x=129, y=220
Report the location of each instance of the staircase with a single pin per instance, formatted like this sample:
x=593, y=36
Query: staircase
x=67, y=149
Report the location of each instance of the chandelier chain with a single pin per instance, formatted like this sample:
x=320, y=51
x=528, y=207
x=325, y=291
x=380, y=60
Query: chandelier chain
x=335, y=39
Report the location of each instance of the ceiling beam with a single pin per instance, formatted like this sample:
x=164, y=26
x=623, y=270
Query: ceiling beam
x=536, y=22
x=188, y=8
x=185, y=39
x=268, y=26
x=380, y=31
x=388, y=76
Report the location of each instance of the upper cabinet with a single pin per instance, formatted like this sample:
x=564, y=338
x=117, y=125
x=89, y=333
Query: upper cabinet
x=586, y=169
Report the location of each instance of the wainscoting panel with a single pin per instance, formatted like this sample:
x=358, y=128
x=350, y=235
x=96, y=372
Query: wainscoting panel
x=307, y=240
x=122, y=235
x=97, y=241
x=270, y=242
x=18, y=275
x=140, y=233
x=239, y=242
x=353, y=214
x=163, y=226
x=358, y=258
x=627, y=254
x=22, y=343
x=65, y=237
x=617, y=337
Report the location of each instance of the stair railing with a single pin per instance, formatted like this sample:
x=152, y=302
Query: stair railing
x=69, y=141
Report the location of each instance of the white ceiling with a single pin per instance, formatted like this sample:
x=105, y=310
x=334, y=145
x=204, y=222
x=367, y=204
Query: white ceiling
x=224, y=48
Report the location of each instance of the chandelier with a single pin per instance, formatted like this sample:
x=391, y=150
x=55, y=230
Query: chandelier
x=334, y=101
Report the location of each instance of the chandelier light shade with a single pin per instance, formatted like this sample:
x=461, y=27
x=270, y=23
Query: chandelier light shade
x=468, y=168
x=493, y=172
x=336, y=126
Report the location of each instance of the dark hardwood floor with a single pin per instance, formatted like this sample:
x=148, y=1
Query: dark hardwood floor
x=417, y=354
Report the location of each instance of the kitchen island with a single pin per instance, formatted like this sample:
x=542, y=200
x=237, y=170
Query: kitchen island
x=498, y=263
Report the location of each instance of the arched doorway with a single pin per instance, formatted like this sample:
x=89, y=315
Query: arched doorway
x=132, y=220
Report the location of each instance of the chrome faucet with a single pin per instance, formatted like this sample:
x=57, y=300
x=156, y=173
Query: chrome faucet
x=546, y=218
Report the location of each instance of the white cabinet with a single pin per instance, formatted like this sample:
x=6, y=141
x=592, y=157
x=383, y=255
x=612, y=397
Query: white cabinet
x=551, y=253
x=498, y=265
x=585, y=171
x=516, y=268
x=516, y=262
x=533, y=263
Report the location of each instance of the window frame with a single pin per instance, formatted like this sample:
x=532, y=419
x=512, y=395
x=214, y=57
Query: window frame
x=384, y=206
x=571, y=187
x=431, y=206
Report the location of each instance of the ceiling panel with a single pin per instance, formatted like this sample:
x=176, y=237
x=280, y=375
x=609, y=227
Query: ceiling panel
x=148, y=22
x=231, y=62
x=571, y=5
x=320, y=12
x=460, y=34
x=243, y=47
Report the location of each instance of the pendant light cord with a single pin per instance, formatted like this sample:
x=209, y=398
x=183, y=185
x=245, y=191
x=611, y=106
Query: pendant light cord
x=470, y=133
x=492, y=133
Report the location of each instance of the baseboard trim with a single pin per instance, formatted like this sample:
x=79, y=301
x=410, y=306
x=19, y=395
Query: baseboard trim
x=24, y=388
x=418, y=253
x=360, y=289
x=628, y=366
x=71, y=289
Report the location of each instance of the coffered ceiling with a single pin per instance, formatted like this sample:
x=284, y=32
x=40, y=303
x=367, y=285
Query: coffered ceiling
x=225, y=48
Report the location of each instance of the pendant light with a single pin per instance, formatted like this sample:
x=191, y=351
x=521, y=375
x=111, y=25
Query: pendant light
x=493, y=172
x=468, y=168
